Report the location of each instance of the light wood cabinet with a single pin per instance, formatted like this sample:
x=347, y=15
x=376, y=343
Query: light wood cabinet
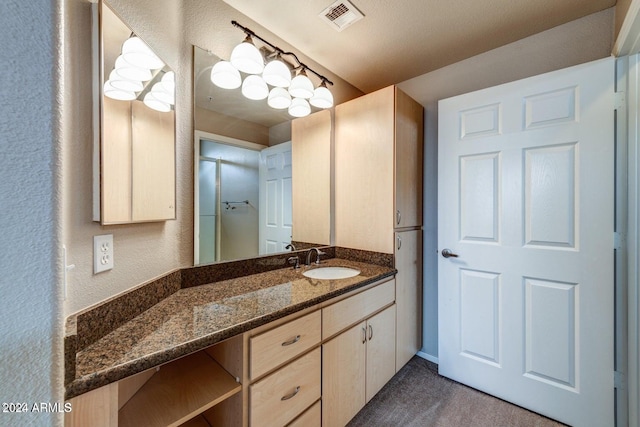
x=378, y=172
x=408, y=258
x=355, y=366
x=378, y=177
x=311, y=177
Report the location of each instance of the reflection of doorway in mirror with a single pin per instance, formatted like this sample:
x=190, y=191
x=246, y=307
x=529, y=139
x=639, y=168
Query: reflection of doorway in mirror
x=228, y=205
x=275, y=199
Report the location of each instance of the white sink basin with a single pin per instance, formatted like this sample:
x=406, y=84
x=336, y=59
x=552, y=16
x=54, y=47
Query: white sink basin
x=331, y=273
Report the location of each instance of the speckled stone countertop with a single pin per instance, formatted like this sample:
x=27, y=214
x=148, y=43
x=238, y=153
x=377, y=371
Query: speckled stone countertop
x=196, y=317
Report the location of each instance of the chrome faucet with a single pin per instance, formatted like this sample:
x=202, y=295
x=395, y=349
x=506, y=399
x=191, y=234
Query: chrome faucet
x=318, y=253
x=295, y=261
x=290, y=246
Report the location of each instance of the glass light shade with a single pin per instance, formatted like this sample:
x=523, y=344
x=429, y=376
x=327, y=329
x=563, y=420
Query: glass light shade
x=161, y=95
x=276, y=73
x=254, y=87
x=137, y=53
x=168, y=82
x=299, y=107
x=279, y=98
x=121, y=83
x=322, y=98
x=120, y=95
x=225, y=75
x=301, y=86
x=247, y=58
x=155, y=104
x=128, y=71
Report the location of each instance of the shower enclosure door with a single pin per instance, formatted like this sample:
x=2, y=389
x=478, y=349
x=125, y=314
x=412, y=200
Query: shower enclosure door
x=209, y=210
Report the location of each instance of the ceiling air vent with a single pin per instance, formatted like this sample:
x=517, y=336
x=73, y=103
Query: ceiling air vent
x=340, y=15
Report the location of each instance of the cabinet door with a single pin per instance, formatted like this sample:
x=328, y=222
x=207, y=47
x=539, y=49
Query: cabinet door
x=409, y=142
x=381, y=350
x=343, y=376
x=364, y=181
x=311, y=178
x=408, y=258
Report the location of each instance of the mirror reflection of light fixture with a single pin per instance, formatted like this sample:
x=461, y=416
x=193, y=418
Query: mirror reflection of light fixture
x=225, y=75
x=247, y=58
x=137, y=53
x=299, y=107
x=254, y=87
x=279, y=98
x=133, y=68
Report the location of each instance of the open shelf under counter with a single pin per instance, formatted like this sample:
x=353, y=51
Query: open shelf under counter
x=178, y=392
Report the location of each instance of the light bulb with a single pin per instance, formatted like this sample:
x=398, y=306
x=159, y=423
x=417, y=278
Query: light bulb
x=299, y=107
x=322, y=97
x=168, y=82
x=247, y=58
x=301, y=86
x=162, y=95
x=279, y=98
x=121, y=83
x=276, y=73
x=155, y=104
x=120, y=95
x=225, y=75
x=128, y=71
x=137, y=53
x=254, y=87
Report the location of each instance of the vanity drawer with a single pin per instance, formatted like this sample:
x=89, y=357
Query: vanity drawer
x=275, y=347
x=283, y=395
x=312, y=417
x=350, y=311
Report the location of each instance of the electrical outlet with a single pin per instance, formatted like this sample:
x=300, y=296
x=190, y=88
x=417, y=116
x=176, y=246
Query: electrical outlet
x=102, y=253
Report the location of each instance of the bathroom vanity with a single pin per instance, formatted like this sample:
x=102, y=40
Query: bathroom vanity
x=270, y=348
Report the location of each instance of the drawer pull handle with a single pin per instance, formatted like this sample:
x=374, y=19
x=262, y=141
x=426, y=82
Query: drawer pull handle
x=293, y=341
x=289, y=396
x=370, y=332
x=364, y=335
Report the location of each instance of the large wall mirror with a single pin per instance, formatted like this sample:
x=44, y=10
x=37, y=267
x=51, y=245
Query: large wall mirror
x=134, y=156
x=245, y=185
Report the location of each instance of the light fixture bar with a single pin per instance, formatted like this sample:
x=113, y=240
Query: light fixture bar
x=302, y=65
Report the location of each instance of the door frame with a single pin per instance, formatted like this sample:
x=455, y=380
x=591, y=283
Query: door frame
x=627, y=49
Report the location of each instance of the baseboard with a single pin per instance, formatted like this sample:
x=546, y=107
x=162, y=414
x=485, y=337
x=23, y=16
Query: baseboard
x=428, y=357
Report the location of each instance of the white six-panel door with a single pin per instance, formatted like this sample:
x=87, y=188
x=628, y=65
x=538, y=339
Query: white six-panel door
x=275, y=212
x=525, y=199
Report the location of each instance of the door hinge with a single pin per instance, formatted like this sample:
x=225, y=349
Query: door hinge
x=619, y=380
x=619, y=241
x=620, y=100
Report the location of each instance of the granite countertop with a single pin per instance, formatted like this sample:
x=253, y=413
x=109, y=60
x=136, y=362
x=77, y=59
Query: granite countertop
x=197, y=317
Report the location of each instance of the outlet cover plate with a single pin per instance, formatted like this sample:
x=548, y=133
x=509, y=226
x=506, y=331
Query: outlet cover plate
x=102, y=253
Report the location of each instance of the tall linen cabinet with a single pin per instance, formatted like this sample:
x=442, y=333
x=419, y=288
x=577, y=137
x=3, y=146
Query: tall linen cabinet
x=378, y=195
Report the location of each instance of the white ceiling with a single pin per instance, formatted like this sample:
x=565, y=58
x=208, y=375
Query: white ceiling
x=398, y=40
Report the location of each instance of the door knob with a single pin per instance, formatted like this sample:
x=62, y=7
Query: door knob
x=448, y=254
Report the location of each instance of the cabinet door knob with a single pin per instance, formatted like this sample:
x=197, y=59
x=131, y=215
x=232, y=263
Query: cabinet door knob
x=364, y=335
x=293, y=341
x=398, y=216
x=289, y=396
x=370, y=332
x=399, y=242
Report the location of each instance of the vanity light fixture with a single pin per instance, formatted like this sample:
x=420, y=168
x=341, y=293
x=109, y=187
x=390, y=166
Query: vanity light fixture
x=154, y=103
x=322, y=97
x=248, y=59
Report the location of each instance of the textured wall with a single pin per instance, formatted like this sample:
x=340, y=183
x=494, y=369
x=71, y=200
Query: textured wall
x=30, y=317
x=573, y=43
